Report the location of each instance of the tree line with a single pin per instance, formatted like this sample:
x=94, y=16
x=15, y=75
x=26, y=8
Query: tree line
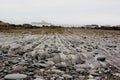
x=6, y=26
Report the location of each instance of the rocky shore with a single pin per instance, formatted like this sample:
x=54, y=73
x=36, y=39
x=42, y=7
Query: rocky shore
x=59, y=57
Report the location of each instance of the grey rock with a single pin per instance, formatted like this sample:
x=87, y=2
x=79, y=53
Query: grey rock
x=42, y=65
x=91, y=79
x=100, y=57
x=15, y=76
x=94, y=74
x=67, y=76
x=97, y=78
x=18, y=69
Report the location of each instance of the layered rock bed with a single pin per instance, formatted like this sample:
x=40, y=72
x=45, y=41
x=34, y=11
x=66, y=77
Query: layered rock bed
x=54, y=56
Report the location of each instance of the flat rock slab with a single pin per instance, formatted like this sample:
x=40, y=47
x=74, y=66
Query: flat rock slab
x=15, y=76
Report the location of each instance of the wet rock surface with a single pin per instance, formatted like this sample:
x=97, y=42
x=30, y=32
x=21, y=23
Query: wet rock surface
x=59, y=57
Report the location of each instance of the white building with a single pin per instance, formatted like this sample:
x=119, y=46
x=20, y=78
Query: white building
x=42, y=23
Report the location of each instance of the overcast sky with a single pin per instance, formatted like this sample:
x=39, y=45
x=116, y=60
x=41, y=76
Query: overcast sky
x=61, y=11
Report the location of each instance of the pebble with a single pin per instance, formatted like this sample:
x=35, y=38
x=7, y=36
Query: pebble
x=1, y=65
x=38, y=78
x=57, y=71
x=116, y=74
x=50, y=63
x=100, y=58
x=18, y=68
x=94, y=74
x=82, y=66
x=67, y=76
x=90, y=77
x=41, y=65
x=81, y=77
x=40, y=72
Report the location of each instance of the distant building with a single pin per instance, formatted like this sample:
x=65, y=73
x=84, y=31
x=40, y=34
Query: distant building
x=27, y=25
x=42, y=23
x=91, y=26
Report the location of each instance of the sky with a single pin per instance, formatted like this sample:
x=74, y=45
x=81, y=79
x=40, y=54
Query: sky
x=102, y=12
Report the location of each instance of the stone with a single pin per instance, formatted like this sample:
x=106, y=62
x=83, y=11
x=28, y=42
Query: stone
x=116, y=74
x=103, y=64
x=18, y=68
x=97, y=78
x=94, y=74
x=5, y=71
x=83, y=66
x=30, y=73
x=62, y=66
x=38, y=77
x=1, y=57
x=41, y=71
x=90, y=77
x=14, y=61
x=15, y=76
x=50, y=63
x=80, y=70
x=57, y=71
x=81, y=77
x=1, y=65
x=41, y=65
x=100, y=57
x=67, y=76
